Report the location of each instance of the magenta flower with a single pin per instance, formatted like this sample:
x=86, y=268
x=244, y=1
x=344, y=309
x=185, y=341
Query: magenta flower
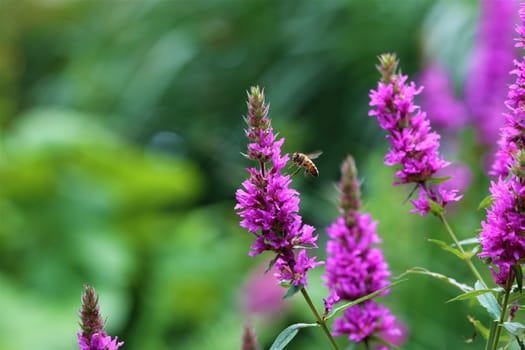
x=512, y=136
x=414, y=145
x=98, y=341
x=502, y=236
x=361, y=321
x=355, y=267
x=491, y=61
x=267, y=205
x=93, y=336
x=502, y=232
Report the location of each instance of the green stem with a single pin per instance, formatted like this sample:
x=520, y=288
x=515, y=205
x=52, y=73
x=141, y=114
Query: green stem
x=466, y=257
x=508, y=288
x=490, y=340
x=320, y=320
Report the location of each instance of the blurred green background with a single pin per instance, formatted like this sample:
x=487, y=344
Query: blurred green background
x=120, y=141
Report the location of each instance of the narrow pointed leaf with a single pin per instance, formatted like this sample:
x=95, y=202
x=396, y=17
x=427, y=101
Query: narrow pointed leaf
x=292, y=290
x=484, y=331
x=438, y=180
x=489, y=302
x=288, y=334
x=421, y=271
x=515, y=328
x=475, y=250
x=519, y=276
x=435, y=208
x=272, y=262
x=468, y=241
x=487, y=201
x=448, y=248
x=362, y=299
x=382, y=341
x=472, y=294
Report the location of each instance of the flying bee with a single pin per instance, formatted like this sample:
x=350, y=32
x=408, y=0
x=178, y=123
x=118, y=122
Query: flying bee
x=302, y=160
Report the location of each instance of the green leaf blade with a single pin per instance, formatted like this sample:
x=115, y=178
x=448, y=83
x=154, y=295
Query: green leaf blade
x=362, y=299
x=472, y=294
x=288, y=334
x=489, y=302
x=515, y=328
x=448, y=248
x=422, y=271
x=439, y=180
x=435, y=208
x=486, y=202
x=292, y=291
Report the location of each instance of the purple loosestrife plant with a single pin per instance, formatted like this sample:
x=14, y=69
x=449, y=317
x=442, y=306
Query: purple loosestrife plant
x=491, y=61
x=512, y=138
x=249, y=339
x=503, y=232
x=414, y=146
x=355, y=267
x=266, y=203
x=93, y=336
x=269, y=208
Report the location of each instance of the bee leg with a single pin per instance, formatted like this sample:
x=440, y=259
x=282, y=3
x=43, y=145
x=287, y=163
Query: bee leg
x=295, y=172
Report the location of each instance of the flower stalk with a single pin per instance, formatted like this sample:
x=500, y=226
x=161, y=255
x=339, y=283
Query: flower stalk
x=266, y=203
x=355, y=267
x=466, y=257
x=269, y=207
x=320, y=320
x=414, y=145
x=93, y=336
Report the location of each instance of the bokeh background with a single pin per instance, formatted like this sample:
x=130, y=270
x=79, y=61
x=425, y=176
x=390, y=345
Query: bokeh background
x=120, y=142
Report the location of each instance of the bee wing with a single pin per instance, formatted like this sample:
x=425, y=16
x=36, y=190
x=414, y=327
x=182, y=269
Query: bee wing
x=314, y=155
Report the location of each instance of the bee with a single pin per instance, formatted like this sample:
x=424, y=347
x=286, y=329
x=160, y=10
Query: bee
x=302, y=160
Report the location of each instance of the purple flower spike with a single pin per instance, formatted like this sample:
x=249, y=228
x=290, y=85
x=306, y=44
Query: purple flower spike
x=512, y=136
x=502, y=232
x=490, y=63
x=414, y=145
x=354, y=267
x=249, y=339
x=502, y=235
x=93, y=336
x=98, y=341
x=266, y=203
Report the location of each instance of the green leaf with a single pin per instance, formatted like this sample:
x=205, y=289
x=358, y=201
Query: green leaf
x=484, y=331
x=362, y=299
x=488, y=301
x=382, y=341
x=421, y=271
x=475, y=250
x=288, y=334
x=519, y=276
x=487, y=201
x=271, y=263
x=435, y=208
x=472, y=294
x=438, y=180
x=468, y=241
x=293, y=290
x=448, y=248
x=515, y=328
